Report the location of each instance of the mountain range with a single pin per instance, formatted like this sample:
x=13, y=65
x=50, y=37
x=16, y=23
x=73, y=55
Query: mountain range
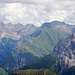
x=22, y=45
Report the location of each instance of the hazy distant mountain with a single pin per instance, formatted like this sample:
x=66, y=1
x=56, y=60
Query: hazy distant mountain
x=15, y=31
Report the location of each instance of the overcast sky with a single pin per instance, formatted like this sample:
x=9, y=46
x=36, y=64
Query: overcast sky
x=37, y=11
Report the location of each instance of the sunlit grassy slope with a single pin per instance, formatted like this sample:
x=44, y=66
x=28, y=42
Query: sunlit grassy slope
x=44, y=43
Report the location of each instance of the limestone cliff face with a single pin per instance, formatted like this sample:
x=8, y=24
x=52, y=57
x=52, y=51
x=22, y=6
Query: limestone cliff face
x=64, y=52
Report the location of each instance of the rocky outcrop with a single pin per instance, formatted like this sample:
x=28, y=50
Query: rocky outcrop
x=64, y=52
x=16, y=60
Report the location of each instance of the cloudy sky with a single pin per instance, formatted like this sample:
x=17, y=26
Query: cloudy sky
x=37, y=11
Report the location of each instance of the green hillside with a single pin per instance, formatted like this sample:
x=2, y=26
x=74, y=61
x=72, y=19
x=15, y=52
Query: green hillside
x=46, y=62
x=44, y=66
x=33, y=72
x=3, y=72
x=44, y=43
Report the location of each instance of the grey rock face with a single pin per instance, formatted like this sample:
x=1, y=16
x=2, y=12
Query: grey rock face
x=17, y=60
x=64, y=52
x=16, y=31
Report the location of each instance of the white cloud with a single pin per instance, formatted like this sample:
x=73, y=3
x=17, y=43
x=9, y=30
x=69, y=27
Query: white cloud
x=27, y=1
x=37, y=11
x=58, y=15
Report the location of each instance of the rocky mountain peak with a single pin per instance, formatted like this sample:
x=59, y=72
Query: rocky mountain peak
x=57, y=23
x=15, y=31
